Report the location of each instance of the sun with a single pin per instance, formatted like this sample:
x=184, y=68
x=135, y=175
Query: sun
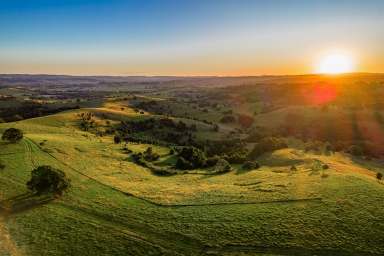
x=335, y=63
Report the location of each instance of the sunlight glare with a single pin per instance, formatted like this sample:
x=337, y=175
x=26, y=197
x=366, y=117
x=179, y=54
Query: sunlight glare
x=335, y=63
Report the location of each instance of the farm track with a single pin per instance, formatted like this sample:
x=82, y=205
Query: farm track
x=7, y=242
x=12, y=153
x=29, y=152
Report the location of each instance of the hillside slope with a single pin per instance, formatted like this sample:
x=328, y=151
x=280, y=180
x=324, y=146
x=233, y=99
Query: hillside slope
x=115, y=207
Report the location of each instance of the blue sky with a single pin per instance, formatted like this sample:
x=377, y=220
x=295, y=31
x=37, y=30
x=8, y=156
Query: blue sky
x=216, y=37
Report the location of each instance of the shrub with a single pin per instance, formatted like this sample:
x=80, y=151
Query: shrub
x=266, y=145
x=222, y=166
x=86, y=121
x=329, y=147
x=293, y=168
x=183, y=164
x=228, y=119
x=190, y=158
x=211, y=161
x=46, y=179
x=236, y=158
x=127, y=150
x=356, y=150
x=161, y=171
x=117, y=139
x=139, y=159
x=379, y=176
x=251, y=165
x=12, y=135
x=149, y=155
x=325, y=166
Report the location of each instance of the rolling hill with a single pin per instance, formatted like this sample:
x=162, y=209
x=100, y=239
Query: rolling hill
x=116, y=207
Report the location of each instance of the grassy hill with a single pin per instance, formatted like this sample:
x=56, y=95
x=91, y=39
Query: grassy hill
x=115, y=207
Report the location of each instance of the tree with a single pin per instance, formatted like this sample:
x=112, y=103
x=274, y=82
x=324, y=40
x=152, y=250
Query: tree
x=222, y=166
x=12, y=135
x=228, y=119
x=356, y=150
x=379, y=176
x=267, y=144
x=117, y=139
x=149, y=155
x=190, y=158
x=46, y=179
x=251, y=165
x=2, y=166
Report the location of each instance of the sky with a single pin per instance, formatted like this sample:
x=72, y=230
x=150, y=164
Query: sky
x=191, y=38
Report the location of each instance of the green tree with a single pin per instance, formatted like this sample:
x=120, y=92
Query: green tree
x=117, y=139
x=46, y=179
x=190, y=158
x=379, y=176
x=12, y=135
x=222, y=166
x=251, y=165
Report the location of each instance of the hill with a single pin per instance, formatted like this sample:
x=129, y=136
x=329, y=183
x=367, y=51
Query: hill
x=116, y=207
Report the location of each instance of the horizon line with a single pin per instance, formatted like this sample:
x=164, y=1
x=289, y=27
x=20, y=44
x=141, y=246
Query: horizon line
x=193, y=76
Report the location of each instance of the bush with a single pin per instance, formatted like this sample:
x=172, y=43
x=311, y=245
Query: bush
x=12, y=135
x=149, y=155
x=266, y=145
x=183, y=164
x=211, y=161
x=138, y=158
x=190, y=158
x=251, y=165
x=356, y=150
x=117, y=139
x=222, y=166
x=46, y=179
x=236, y=158
x=161, y=171
x=379, y=176
x=86, y=121
x=228, y=119
x=325, y=166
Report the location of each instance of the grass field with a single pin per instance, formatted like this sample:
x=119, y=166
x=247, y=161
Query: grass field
x=115, y=207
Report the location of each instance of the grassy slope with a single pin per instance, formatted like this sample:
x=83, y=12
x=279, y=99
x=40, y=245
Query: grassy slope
x=115, y=207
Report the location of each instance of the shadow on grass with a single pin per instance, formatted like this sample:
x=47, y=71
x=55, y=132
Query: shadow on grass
x=23, y=202
x=241, y=170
